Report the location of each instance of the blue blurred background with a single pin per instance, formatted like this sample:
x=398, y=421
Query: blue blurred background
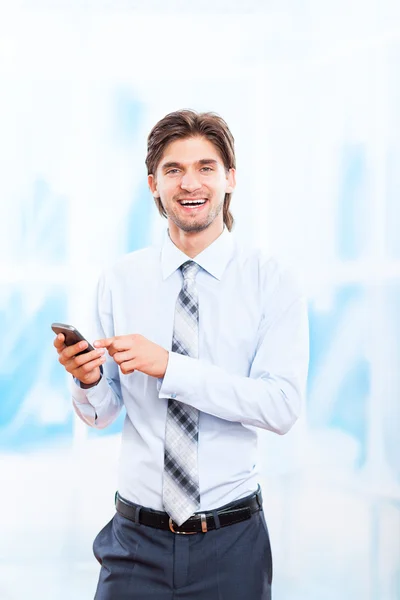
x=311, y=92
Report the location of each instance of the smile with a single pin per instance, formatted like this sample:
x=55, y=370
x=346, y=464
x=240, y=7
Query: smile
x=192, y=203
x=193, y=206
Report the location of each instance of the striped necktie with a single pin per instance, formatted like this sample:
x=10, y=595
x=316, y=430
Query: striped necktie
x=181, y=496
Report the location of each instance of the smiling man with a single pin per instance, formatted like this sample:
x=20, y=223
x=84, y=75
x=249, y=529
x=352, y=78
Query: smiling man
x=204, y=342
x=191, y=190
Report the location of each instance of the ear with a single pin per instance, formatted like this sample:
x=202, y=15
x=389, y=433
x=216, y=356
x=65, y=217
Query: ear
x=153, y=186
x=230, y=181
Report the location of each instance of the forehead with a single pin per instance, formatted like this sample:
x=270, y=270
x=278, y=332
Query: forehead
x=190, y=150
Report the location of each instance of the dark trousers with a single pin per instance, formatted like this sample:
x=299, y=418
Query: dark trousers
x=140, y=562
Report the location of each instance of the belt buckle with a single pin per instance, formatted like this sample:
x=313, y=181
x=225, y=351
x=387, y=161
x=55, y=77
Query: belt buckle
x=203, y=526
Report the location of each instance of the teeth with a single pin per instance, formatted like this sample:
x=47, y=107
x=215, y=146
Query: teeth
x=193, y=203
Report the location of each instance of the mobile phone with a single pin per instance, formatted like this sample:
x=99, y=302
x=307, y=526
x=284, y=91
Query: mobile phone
x=72, y=336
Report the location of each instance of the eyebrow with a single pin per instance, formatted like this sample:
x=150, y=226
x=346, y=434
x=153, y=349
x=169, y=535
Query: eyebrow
x=177, y=165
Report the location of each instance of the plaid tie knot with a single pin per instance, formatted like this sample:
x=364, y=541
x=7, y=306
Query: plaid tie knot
x=189, y=270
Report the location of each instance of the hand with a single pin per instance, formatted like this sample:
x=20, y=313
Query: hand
x=85, y=367
x=136, y=353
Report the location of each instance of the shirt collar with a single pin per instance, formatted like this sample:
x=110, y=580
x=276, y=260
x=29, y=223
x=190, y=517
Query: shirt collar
x=213, y=259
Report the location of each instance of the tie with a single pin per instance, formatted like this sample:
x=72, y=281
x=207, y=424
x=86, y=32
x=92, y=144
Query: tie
x=181, y=494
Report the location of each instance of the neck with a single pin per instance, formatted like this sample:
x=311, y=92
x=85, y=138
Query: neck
x=194, y=242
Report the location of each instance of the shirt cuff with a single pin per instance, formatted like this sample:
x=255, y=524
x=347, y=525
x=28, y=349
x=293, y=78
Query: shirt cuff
x=181, y=376
x=94, y=396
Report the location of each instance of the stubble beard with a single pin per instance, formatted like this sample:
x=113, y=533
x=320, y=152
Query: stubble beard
x=195, y=226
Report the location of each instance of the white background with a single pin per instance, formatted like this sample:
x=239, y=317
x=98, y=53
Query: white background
x=310, y=91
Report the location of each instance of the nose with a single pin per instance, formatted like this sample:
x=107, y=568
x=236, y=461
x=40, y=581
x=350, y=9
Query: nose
x=190, y=182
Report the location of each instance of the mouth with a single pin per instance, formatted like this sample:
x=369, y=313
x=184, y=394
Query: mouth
x=193, y=205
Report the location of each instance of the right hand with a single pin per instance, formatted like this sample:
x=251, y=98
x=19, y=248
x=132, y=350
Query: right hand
x=85, y=367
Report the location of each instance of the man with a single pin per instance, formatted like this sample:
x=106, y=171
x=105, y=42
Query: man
x=204, y=342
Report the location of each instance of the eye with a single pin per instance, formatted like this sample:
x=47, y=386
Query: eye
x=206, y=169
x=172, y=171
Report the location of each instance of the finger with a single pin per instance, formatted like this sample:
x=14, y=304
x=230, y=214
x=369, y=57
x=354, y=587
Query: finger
x=59, y=341
x=120, y=345
x=77, y=361
x=89, y=366
x=115, y=344
x=121, y=357
x=70, y=351
x=105, y=343
x=127, y=367
x=111, y=350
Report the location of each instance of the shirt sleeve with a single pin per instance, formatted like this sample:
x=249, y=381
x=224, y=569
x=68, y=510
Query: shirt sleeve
x=271, y=395
x=100, y=405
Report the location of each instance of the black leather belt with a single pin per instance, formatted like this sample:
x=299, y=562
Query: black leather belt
x=237, y=511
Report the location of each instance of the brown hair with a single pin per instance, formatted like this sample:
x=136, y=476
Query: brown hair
x=188, y=123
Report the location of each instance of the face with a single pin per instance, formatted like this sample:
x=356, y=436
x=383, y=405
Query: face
x=191, y=182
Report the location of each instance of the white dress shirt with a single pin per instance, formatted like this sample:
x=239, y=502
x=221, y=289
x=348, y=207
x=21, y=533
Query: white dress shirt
x=251, y=371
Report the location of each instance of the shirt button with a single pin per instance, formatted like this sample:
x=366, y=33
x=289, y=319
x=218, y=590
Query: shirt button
x=173, y=396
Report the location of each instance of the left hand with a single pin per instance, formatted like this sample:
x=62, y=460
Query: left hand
x=136, y=353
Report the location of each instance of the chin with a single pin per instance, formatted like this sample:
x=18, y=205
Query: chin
x=189, y=225
x=194, y=227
